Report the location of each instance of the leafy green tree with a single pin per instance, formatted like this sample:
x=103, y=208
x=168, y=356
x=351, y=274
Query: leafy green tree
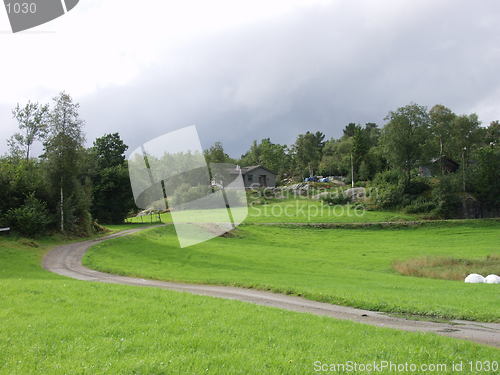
x=64, y=155
x=351, y=154
x=360, y=147
x=492, y=136
x=32, y=121
x=270, y=155
x=109, y=151
x=112, y=194
x=216, y=154
x=441, y=124
x=404, y=137
x=350, y=129
x=336, y=157
x=466, y=137
x=486, y=176
x=466, y=134
x=308, y=150
x=373, y=133
x=373, y=162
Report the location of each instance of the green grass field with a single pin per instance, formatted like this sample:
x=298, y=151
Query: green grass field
x=344, y=266
x=54, y=325
x=294, y=211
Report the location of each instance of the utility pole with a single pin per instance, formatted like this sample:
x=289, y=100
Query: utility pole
x=352, y=172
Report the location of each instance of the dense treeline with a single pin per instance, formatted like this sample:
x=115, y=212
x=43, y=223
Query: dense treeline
x=421, y=160
x=68, y=187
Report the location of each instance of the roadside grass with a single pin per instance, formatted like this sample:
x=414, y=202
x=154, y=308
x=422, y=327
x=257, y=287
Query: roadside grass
x=343, y=266
x=55, y=325
x=299, y=210
x=448, y=268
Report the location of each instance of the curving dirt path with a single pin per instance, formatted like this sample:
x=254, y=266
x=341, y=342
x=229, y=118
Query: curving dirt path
x=67, y=261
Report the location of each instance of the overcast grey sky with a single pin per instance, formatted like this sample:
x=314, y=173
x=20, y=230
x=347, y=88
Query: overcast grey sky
x=245, y=70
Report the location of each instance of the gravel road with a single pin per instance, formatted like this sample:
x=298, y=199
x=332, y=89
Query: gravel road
x=67, y=261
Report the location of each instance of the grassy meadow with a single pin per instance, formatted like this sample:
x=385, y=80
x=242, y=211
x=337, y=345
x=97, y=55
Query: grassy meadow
x=55, y=325
x=344, y=266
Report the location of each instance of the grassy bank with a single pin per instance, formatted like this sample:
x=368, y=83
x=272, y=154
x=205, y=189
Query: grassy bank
x=345, y=266
x=55, y=325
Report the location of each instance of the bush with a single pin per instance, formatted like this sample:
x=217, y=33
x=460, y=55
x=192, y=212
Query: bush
x=387, y=196
x=389, y=177
x=420, y=205
x=446, y=198
x=31, y=219
x=337, y=198
x=417, y=187
x=387, y=189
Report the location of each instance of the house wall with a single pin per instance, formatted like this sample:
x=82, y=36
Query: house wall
x=255, y=173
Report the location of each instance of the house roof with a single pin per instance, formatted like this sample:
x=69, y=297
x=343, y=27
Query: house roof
x=245, y=170
x=445, y=159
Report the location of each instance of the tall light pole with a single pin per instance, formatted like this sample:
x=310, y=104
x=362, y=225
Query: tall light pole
x=352, y=172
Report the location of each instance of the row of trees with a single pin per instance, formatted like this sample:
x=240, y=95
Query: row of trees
x=69, y=186
x=412, y=137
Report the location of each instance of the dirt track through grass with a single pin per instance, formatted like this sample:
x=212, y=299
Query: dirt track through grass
x=66, y=260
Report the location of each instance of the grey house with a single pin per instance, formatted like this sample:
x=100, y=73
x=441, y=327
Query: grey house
x=258, y=176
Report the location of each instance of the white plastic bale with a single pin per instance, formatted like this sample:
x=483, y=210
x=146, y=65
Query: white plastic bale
x=474, y=278
x=492, y=279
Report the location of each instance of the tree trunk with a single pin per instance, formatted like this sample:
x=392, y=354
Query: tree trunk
x=62, y=206
x=27, y=138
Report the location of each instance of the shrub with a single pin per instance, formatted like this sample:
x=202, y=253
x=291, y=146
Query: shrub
x=387, y=196
x=337, y=198
x=387, y=189
x=31, y=219
x=446, y=198
x=389, y=177
x=420, y=205
x=417, y=187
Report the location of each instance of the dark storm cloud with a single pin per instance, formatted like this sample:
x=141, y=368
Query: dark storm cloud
x=314, y=70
